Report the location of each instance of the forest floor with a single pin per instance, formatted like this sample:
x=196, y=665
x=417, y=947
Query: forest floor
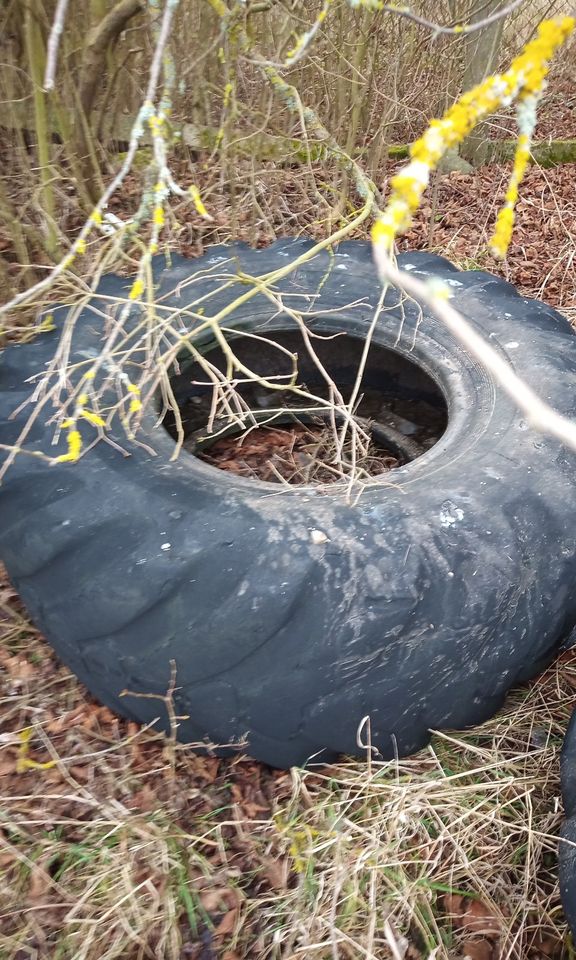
x=118, y=844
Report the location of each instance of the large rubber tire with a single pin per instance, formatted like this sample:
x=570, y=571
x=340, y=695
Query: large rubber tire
x=567, y=848
x=429, y=598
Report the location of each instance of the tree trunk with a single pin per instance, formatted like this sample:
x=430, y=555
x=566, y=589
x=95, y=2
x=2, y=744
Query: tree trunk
x=35, y=52
x=92, y=69
x=104, y=34
x=480, y=59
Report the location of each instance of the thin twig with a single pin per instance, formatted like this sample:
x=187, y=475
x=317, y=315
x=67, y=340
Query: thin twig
x=305, y=41
x=54, y=43
x=459, y=29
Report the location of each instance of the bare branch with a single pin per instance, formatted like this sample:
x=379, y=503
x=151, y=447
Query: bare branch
x=260, y=6
x=460, y=28
x=539, y=414
x=54, y=43
x=304, y=42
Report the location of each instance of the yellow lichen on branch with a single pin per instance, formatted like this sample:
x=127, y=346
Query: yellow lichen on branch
x=135, y=401
x=23, y=761
x=137, y=289
x=74, y=440
x=198, y=203
x=74, y=437
x=523, y=83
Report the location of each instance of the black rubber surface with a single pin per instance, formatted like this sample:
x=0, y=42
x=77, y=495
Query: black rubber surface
x=567, y=849
x=429, y=598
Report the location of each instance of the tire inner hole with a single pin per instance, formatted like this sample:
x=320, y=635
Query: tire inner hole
x=273, y=434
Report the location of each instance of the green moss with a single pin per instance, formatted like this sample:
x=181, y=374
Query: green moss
x=142, y=158
x=399, y=151
x=547, y=153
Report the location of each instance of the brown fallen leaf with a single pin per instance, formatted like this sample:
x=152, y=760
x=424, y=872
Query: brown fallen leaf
x=8, y=763
x=213, y=900
x=144, y=799
x=39, y=884
x=65, y=721
x=205, y=768
x=251, y=810
x=276, y=873
x=547, y=946
x=105, y=716
x=227, y=923
x=19, y=669
x=474, y=916
x=81, y=773
x=478, y=950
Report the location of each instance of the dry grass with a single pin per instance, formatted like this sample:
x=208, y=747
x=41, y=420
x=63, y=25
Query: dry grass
x=126, y=845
